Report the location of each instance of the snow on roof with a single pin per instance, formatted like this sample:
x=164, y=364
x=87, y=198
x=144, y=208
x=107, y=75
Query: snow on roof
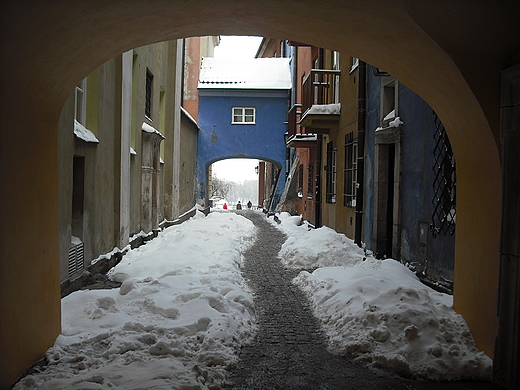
x=255, y=73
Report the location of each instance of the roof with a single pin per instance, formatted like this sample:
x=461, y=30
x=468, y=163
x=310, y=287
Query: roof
x=254, y=73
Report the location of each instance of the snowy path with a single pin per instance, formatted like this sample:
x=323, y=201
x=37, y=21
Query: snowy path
x=289, y=350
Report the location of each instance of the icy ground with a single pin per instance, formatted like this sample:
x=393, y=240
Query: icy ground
x=378, y=311
x=183, y=311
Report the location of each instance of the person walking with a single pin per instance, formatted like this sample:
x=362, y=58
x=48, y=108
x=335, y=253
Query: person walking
x=249, y=204
x=225, y=206
x=239, y=206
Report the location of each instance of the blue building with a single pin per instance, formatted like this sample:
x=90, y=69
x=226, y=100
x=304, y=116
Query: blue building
x=242, y=114
x=410, y=199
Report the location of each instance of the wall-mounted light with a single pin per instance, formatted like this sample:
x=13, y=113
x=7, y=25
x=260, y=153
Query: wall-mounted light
x=256, y=169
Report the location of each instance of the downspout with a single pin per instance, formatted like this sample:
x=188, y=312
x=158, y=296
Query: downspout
x=360, y=179
x=317, y=216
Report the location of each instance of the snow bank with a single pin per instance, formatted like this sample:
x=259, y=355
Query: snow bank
x=309, y=248
x=175, y=323
x=378, y=311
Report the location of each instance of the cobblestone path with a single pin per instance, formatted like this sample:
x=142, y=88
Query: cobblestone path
x=289, y=350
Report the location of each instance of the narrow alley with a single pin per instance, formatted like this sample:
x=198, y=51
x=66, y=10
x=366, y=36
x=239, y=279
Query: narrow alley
x=290, y=350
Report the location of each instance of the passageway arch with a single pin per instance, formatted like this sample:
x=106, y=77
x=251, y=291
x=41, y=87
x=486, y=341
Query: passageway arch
x=446, y=54
x=279, y=179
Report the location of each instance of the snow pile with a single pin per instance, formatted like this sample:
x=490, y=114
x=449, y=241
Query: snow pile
x=310, y=248
x=175, y=323
x=378, y=311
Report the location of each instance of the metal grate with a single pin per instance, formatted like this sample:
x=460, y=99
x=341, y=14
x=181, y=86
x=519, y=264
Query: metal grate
x=76, y=257
x=330, y=170
x=310, y=181
x=349, y=172
x=444, y=183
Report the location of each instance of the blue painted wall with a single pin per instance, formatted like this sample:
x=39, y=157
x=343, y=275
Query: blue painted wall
x=436, y=258
x=219, y=139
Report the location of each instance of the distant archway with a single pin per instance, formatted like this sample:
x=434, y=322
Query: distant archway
x=270, y=183
x=443, y=53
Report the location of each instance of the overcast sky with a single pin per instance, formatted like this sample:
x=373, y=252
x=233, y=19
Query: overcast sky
x=232, y=46
x=237, y=170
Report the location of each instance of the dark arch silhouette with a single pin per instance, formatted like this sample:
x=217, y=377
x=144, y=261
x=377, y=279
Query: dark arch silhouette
x=439, y=49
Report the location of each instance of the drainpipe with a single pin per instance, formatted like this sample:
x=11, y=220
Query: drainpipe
x=317, y=215
x=360, y=179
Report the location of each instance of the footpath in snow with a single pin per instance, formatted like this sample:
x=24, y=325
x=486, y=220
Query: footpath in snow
x=184, y=310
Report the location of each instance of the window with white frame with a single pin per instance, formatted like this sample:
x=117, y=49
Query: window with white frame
x=243, y=116
x=80, y=101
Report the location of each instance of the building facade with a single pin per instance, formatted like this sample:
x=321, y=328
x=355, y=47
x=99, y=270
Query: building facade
x=242, y=113
x=126, y=145
x=372, y=160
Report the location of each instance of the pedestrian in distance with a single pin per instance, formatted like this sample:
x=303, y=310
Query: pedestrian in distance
x=239, y=206
x=249, y=204
x=225, y=206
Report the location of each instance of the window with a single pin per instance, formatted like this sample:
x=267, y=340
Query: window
x=349, y=173
x=389, y=109
x=330, y=170
x=300, y=181
x=355, y=64
x=243, y=115
x=310, y=181
x=444, y=184
x=148, y=97
x=80, y=102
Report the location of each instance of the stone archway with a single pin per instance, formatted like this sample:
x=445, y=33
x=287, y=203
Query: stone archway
x=445, y=54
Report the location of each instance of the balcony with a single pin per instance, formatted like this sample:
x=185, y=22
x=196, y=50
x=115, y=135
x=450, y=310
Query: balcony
x=320, y=106
x=293, y=120
x=296, y=136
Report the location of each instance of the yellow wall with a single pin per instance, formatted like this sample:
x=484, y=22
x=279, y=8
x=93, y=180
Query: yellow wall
x=445, y=54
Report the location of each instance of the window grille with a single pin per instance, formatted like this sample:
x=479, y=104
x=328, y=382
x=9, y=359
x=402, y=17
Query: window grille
x=300, y=181
x=330, y=191
x=444, y=183
x=349, y=172
x=76, y=258
x=310, y=181
x=148, y=97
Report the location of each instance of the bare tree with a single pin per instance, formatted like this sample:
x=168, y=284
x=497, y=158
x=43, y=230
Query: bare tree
x=220, y=188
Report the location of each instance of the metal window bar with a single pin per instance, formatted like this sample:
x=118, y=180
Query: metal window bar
x=148, y=96
x=330, y=169
x=349, y=172
x=444, y=183
x=310, y=181
x=300, y=181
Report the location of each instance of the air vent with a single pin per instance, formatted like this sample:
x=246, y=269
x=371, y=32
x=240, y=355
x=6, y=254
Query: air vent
x=76, y=257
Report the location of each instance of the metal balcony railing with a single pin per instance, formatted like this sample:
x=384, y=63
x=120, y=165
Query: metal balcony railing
x=293, y=120
x=320, y=87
